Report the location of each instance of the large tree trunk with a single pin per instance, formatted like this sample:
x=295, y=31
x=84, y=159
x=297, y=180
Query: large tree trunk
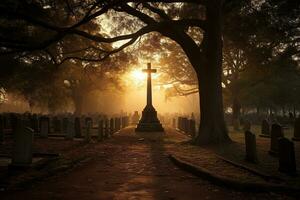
x=212, y=125
x=208, y=66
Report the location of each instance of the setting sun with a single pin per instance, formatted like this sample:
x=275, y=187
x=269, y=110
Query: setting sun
x=138, y=75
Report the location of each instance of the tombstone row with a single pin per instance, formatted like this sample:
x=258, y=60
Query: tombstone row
x=186, y=125
x=280, y=146
x=23, y=134
x=266, y=129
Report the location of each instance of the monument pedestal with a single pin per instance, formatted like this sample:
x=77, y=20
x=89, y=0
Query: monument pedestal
x=149, y=121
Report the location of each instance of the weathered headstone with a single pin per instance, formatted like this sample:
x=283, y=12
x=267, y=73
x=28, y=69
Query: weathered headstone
x=297, y=129
x=65, y=122
x=56, y=125
x=77, y=127
x=70, y=130
x=247, y=125
x=265, y=128
x=88, y=129
x=89, y=119
x=111, y=126
x=22, y=148
x=44, y=127
x=100, y=130
x=286, y=155
x=192, y=128
x=276, y=132
x=179, y=123
x=250, y=142
x=106, y=129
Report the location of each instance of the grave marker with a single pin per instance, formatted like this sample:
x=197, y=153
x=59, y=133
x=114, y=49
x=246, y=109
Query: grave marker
x=23, y=142
x=250, y=142
x=286, y=155
x=276, y=132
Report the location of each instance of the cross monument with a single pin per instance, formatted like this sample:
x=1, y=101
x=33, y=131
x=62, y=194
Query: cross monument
x=149, y=121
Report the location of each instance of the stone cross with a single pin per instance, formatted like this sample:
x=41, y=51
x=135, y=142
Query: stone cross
x=149, y=71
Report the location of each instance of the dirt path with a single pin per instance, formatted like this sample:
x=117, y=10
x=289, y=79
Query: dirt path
x=125, y=167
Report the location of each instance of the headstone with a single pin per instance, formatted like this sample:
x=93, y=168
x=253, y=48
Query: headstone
x=106, y=129
x=250, y=142
x=65, y=122
x=179, y=123
x=22, y=149
x=247, y=125
x=44, y=127
x=185, y=124
x=100, y=130
x=111, y=126
x=56, y=125
x=265, y=128
x=192, y=128
x=297, y=129
x=77, y=127
x=70, y=130
x=276, y=132
x=89, y=119
x=1, y=129
x=286, y=155
x=118, y=124
x=88, y=128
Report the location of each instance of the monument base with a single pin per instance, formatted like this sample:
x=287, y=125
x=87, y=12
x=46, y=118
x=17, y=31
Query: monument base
x=149, y=127
x=149, y=121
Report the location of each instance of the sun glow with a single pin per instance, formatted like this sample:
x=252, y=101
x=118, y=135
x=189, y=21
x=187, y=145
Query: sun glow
x=138, y=75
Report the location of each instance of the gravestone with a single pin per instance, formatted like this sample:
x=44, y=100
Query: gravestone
x=100, y=130
x=265, y=128
x=44, y=127
x=89, y=119
x=111, y=126
x=22, y=148
x=286, y=155
x=192, y=128
x=56, y=125
x=247, y=125
x=118, y=124
x=70, y=130
x=65, y=122
x=77, y=127
x=276, y=132
x=106, y=129
x=88, y=129
x=1, y=129
x=185, y=124
x=250, y=142
x=297, y=129
x=179, y=123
